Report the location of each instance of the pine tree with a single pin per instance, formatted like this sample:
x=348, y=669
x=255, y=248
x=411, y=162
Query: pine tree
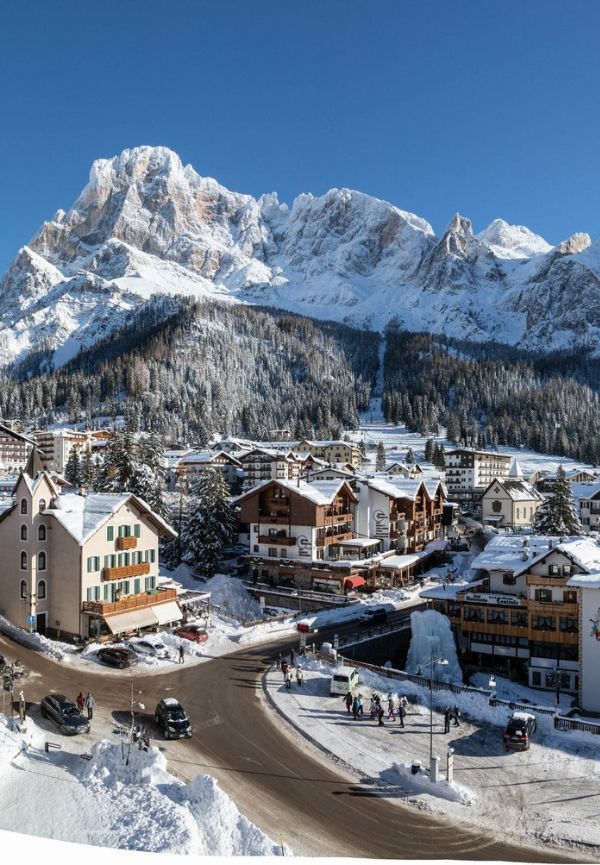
x=88, y=470
x=208, y=522
x=380, y=458
x=557, y=515
x=410, y=457
x=73, y=469
x=429, y=450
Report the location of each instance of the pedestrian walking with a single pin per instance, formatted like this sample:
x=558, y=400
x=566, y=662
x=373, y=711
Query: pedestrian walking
x=356, y=708
x=80, y=701
x=278, y=661
x=349, y=699
x=391, y=711
x=447, y=716
x=89, y=704
x=284, y=668
x=380, y=714
x=299, y=675
x=180, y=655
x=402, y=710
x=292, y=658
x=456, y=716
x=288, y=679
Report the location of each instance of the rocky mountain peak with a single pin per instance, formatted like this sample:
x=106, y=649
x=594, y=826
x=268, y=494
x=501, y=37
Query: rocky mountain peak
x=574, y=244
x=512, y=241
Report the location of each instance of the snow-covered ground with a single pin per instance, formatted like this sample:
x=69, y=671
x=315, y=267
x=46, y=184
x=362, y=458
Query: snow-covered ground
x=106, y=801
x=549, y=793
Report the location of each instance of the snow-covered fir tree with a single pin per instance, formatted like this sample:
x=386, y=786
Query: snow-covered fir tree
x=410, y=457
x=88, y=470
x=429, y=450
x=380, y=457
x=73, y=469
x=208, y=522
x=557, y=515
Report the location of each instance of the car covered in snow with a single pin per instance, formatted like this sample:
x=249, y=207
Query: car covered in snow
x=117, y=656
x=196, y=633
x=65, y=714
x=519, y=730
x=172, y=719
x=373, y=616
x=145, y=647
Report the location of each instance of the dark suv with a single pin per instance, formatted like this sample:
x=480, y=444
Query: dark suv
x=117, y=657
x=65, y=714
x=172, y=719
x=519, y=730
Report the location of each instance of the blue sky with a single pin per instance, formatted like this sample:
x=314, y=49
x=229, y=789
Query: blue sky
x=488, y=108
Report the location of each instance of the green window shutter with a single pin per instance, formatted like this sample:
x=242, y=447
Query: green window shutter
x=89, y=564
x=106, y=591
x=152, y=556
x=126, y=559
x=110, y=533
x=89, y=595
x=137, y=530
x=97, y=593
x=136, y=586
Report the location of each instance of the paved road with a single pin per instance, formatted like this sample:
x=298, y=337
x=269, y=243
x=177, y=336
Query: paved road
x=274, y=778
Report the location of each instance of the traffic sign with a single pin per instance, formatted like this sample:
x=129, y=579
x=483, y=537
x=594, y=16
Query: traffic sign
x=31, y=620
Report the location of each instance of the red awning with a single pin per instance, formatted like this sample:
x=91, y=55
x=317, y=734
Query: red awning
x=354, y=582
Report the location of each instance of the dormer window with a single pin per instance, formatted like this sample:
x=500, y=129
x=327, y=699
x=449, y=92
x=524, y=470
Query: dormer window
x=23, y=506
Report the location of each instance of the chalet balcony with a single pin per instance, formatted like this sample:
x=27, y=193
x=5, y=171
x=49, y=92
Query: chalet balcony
x=334, y=539
x=130, y=602
x=278, y=539
x=126, y=572
x=336, y=519
x=126, y=543
x=274, y=517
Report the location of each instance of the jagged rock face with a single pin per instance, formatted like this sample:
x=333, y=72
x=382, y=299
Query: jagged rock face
x=146, y=225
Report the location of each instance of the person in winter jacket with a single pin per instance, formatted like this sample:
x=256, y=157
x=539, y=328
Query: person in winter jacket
x=288, y=679
x=80, y=701
x=349, y=699
x=299, y=675
x=284, y=667
x=356, y=708
x=447, y=717
x=380, y=714
x=391, y=712
x=402, y=710
x=278, y=661
x=89, y=705
x=456, y=716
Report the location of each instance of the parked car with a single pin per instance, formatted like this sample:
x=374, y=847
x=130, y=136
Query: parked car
x=373, y=616
x=145, y=647
x=196, y=633
x=65, y=714
x=307, y=628
x=518, y=732
x=117, y=656
x=172, y=719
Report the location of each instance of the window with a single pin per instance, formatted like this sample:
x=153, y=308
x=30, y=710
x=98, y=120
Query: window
x=536, y=679
x=23, y=532
x=473, y=614
x=255, y=548
x=497, y=617
x=136, y=586
x=518, y=619
x=41, y=533
x=137, y=530
x=272, y=533
x=93, y=564
x=570, y=597
x=544, y=596
x=553, y=570
x=124, y=531
x=543, y=623
x=23, y=589
x=567, y=570
x=23, y=506
x=509, y=579
x=23, y=561
x=126, y=559
x=110, y=533
x=283, y=553
x=42, y=505
x=272, y=552
x=569, y=625
x=41, y=561
x=152, y=556
x=41, y=590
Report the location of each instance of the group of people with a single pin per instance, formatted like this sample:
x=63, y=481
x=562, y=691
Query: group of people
x=88, y=702
x=354, y=706
x=451, y=714
x=286, y=669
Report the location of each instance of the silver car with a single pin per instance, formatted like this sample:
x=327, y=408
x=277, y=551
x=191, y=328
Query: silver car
x=155, y=650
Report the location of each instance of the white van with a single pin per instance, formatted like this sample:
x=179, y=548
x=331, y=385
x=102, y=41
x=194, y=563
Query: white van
x=344, y=679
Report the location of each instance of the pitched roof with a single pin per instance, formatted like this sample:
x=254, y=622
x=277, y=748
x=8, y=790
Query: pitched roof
x=317, y=492
x=81, y=516
x=517, y=489
x=34, y=463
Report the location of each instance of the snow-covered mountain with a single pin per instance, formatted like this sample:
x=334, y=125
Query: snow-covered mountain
x=146, y=225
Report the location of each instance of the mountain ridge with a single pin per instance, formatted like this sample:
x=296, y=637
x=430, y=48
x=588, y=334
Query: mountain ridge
x=145, y=225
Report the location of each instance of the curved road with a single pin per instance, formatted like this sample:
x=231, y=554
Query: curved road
x=271, y=774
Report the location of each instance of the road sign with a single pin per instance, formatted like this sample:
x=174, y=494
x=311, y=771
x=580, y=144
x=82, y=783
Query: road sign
x=31, y=620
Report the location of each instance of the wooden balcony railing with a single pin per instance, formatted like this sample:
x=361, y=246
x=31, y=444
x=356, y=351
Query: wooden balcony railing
x=126, y=572
x=335, y=519
x=126, y=543
x=130, y=602
x=334, y=539
x=284, y=541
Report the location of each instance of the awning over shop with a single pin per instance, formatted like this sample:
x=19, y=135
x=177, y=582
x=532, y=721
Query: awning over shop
x=354, y=582
x=131, y=620
x=167, y=613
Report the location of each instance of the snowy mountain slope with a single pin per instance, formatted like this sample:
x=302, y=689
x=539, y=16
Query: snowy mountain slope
x=145, y=225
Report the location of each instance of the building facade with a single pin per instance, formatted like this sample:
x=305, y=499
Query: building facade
x=15, y=449
x=470, y=472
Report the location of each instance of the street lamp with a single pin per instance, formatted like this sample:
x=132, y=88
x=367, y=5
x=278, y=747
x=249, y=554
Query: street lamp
x=555, y=679
x=443, y=663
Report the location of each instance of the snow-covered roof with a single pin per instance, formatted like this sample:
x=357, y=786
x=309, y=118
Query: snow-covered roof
x=204, y=457
x=450, y=591
x=518, y=490
x=359, y=542
x=81, y=516
x=318, y=492
x=403, y=488
x=506, y=552
x=585, y=490
x=398, y=562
